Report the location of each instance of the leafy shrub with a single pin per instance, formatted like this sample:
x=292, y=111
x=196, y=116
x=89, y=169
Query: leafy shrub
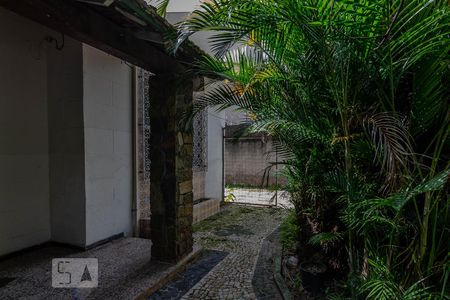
x=289, y=232
x=356, y=95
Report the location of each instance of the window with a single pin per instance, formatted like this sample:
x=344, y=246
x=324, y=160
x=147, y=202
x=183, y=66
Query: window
x=200, y=147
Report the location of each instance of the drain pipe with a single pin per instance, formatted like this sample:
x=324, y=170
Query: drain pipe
x=223, y=164
x=135, y=180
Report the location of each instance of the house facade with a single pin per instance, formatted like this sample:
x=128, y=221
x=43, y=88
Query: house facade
x=72, y=126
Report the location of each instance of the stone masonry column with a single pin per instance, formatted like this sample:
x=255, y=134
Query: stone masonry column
x=171, y=195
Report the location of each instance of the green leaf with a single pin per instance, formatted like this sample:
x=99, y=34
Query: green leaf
x=399, y=200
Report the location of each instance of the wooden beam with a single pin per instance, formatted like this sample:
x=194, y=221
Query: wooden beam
x=83, y=23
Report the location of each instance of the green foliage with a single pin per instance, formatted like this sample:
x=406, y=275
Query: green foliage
x=230, y=197
x=161, y=6
x=356, y=94
x=325, y=237
x=399, y=200
x=381, y=286
x=289, y=232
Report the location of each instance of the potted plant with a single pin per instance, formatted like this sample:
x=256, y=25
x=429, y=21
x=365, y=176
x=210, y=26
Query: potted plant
x=313, y=275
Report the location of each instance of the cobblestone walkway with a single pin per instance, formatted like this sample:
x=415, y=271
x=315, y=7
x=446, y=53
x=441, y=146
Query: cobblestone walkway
x=263, y=283
x=240, y=231
x=187, y=279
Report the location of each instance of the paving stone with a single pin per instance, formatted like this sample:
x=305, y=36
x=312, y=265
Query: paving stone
x=240, y=231
x=187, y=279
x=263, y=283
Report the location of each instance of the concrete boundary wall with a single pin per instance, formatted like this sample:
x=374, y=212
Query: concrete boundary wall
x=247, y=162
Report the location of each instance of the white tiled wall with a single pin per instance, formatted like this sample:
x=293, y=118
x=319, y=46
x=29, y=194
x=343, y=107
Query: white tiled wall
x=66, y=143
x=65, y=140
x=108, y=144
x=24, y=180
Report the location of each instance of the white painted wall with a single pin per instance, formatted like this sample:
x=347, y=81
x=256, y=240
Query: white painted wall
x=24, y=172
x=65, y=140
x=178, y=5
x=66, y=143
x=183, y=5
x=213, y=178
x=108, y=145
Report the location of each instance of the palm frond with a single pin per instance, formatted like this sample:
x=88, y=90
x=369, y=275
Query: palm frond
x=325, y=238
x=392, y=142
x=161, y=7
x=399, y=200
x=317, y=75
x=381, y=284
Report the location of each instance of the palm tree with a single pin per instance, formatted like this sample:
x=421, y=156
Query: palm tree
x=357, y=93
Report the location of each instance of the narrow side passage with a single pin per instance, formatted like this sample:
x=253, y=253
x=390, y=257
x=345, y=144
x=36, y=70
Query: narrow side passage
x=240, y=232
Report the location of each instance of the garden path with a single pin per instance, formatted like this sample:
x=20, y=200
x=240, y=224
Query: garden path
x=233, y=240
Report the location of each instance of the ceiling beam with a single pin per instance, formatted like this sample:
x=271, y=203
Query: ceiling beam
x=81, y=22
